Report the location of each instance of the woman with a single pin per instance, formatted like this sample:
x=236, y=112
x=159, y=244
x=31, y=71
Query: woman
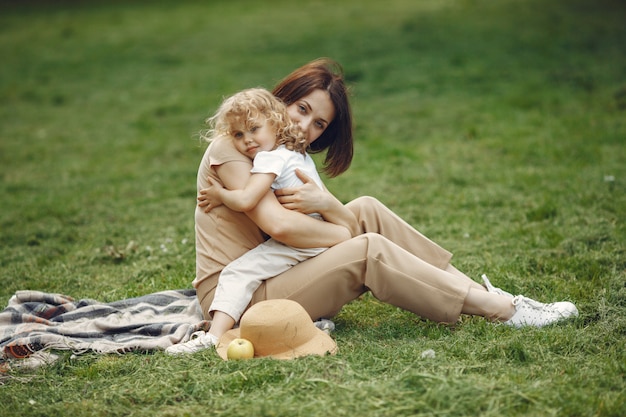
x=384, y=254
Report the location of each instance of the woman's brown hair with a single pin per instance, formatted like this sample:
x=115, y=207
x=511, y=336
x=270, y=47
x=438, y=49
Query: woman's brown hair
x=324, y=74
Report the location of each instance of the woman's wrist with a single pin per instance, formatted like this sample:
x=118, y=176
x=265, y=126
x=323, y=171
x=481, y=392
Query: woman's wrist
x=335, y=212
x=326, y=202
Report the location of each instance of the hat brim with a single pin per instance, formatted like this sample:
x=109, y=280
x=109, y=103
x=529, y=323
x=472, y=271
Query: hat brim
x=319, y=345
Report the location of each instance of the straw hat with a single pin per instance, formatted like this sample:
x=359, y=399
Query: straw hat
x=280, y=329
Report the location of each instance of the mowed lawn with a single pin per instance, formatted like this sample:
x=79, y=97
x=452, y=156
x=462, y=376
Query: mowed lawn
x=498, y=129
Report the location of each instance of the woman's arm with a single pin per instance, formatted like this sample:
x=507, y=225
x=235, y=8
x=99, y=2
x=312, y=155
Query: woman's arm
x=287, y=226
x=309, y=198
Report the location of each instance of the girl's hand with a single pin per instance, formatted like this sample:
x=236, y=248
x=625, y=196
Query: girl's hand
x=209, y=198
x=307, y=198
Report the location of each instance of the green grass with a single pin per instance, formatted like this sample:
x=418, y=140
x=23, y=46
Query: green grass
x=496, y=128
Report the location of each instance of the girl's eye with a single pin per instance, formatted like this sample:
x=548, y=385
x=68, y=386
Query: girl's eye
x=254, y=129
x=238, y=135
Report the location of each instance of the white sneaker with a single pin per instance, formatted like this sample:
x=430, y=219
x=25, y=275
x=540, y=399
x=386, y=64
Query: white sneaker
x=492, y=289
x=533, y=313
x=325, y=325
x=200, y=340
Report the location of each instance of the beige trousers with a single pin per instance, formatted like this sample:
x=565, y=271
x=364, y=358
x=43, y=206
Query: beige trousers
x=399, y=265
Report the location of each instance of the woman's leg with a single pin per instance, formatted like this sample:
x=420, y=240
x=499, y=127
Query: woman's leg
x=460, y=275
x=491, y=306
x=324, y=284
x=375, y=217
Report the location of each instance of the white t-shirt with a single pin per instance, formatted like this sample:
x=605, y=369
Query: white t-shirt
x=283, y=163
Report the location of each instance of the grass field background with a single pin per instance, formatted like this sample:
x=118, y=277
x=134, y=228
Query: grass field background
x=498, y=129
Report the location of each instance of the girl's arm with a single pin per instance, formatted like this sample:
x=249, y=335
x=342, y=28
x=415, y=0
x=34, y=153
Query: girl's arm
x=309, y=198
x=287, y=226
x=244, y=199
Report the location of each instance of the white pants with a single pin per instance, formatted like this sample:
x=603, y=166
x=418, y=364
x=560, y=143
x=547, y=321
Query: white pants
x=241, y=278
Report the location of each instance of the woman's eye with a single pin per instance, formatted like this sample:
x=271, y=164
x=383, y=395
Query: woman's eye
x=302, y=109
x=319, y=125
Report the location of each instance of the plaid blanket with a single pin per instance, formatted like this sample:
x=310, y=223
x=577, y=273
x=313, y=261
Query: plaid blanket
x=35, y=321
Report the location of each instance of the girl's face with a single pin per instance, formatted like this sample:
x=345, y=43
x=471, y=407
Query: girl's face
x=259, y=137
x=313, y=113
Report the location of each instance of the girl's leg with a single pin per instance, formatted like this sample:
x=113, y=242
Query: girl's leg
x=220, y=324
x=241, y=278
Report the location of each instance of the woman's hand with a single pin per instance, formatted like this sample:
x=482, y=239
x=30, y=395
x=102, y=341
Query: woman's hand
x=307, y=198
x=209, y=198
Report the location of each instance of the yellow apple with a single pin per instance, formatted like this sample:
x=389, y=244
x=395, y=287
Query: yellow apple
x=240, y=349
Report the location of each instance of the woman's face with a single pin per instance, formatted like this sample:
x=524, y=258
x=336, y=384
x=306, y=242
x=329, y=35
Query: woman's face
x=313, y=113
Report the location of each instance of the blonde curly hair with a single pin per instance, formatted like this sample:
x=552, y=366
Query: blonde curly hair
x=250, y=107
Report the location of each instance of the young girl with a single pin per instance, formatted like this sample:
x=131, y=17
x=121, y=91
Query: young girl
x=258, y=125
